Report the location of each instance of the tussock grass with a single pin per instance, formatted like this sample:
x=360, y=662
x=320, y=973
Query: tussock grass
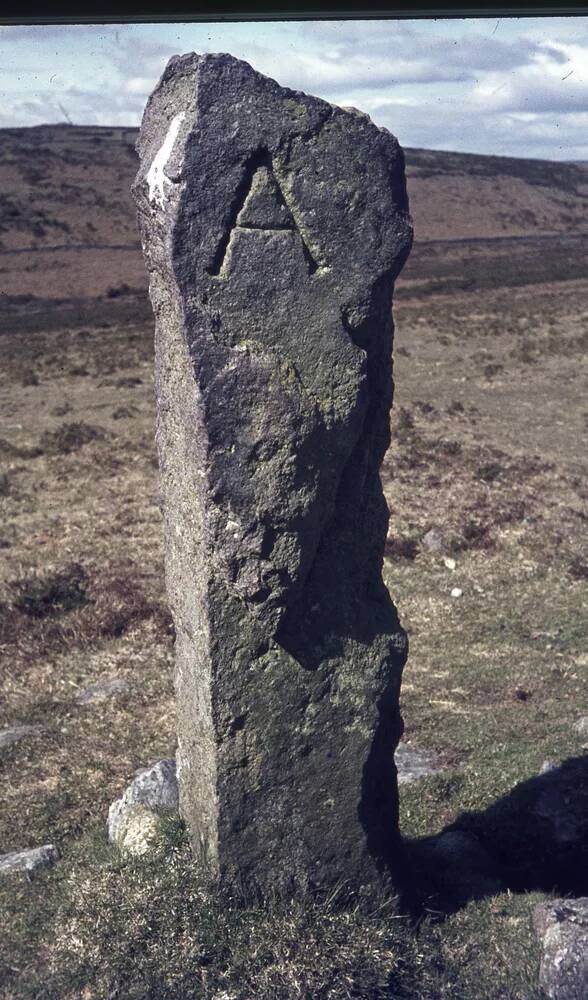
x=76, y=606
x=52, y=594
x=174, y=935
x=69, y=437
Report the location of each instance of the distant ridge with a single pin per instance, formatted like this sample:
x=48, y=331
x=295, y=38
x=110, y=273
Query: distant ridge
x=68, y=183
x=124, y=131
x=68, y=232
x=65, y=184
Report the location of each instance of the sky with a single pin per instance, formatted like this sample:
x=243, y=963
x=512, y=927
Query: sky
x=503, y=86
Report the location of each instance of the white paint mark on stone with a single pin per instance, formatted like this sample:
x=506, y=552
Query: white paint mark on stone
x=156, y=177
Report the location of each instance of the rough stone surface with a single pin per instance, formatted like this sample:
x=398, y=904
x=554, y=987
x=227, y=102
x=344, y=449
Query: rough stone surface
x=562, y=926
x=102, y=690
x=138, y=830
x=548, y=766
x=434, y=540
x=154, y=789
x=581, y=726
x=8, y=737
x=273, y=226
x=29, y=860
x=413, y=763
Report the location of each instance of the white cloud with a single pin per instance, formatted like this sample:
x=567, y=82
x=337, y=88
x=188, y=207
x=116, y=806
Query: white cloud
x=468, y=129
x=43, y=34
x=371, y=58
x=139, y=85
x=555, y=80
x=510, y=86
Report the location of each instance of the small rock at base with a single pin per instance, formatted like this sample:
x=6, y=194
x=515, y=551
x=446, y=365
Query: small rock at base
x=28, y=861
x=153, y=788
x=8, y=737
x=138, y=831
x=562, y=926
x=413, y=763
x=434, y=540
x=456, y=592
x=102, y=690
x=547, y=766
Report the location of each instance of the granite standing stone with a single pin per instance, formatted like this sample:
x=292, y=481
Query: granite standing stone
x=273, y=227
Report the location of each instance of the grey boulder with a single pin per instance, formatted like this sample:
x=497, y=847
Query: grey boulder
x=560, y=804
x=8, y=737
x=562, y=926
x=434, y=540
x=413, y=763
x=103, y=689
x=29, y=860
x=133, y=819
x=461, y=867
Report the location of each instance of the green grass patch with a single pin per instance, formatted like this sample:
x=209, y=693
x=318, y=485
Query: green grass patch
x=102, y=924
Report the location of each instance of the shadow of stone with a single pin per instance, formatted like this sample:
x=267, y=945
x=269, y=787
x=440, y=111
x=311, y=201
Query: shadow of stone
x=533, y=839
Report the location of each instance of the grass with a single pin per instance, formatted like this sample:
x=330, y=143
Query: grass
x=229, y=948
x=494, y=682
x=113, y=926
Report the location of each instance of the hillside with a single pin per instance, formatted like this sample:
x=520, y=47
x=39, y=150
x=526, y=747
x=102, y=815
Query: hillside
x=67, y=222
x=64, y=185
x=458, y=195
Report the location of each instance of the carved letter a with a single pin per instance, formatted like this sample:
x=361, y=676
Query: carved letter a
x=259, y=203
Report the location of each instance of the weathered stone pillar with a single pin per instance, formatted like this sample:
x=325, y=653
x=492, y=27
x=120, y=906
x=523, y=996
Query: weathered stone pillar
x=273, y=226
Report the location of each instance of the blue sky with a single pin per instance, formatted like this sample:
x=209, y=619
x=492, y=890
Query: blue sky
x=510, y=86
